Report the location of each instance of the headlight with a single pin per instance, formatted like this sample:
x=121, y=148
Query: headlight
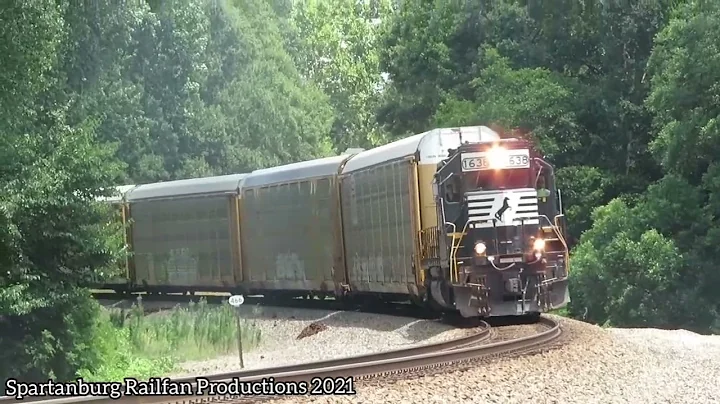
x=497, y=157
x=539, y=244
x=480, y=248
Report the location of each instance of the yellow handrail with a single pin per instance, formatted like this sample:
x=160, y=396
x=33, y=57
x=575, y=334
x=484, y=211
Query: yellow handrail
x=453, y=254
x=564, y=243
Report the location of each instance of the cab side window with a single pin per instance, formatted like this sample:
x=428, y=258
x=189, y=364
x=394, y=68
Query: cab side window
x=546, y=198
x=453, y=190
x=541, y=186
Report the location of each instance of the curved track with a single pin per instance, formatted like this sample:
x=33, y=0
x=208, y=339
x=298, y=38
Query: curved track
x=385, y=364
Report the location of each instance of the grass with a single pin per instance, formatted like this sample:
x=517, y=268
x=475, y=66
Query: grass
x=133, y=343
x=563, y=311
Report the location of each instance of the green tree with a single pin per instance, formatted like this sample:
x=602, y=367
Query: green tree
x=54, y=241
x=572, y=72
x=96, y=59
x=681, y=208
x=620, y=96
x=335, y=44
x=191, y=88
x=270, y=114
x=629, y=270
x=685, y=91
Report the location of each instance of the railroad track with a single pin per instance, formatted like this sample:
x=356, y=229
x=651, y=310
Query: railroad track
x=344, y=371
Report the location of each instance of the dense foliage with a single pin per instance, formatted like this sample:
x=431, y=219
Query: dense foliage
x=53, y=241
x=623, y=97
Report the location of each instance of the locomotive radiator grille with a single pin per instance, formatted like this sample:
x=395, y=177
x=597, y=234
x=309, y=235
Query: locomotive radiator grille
x=504, y=207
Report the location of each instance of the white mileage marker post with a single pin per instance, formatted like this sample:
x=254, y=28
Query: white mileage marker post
x=236, y=301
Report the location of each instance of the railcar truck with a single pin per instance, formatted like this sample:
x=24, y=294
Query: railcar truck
x=499, y=248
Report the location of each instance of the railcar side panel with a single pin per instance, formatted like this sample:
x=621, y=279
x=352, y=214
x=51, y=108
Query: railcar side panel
x=184, y=241
x=428, y=206
x=236, y=237
x=128, y=273
x=130, y=245
x=378, y=228
x=288, y=235
x=339, y=271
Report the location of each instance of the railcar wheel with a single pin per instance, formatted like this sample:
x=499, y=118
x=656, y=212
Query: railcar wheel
x=435, y=306
x=440, y=297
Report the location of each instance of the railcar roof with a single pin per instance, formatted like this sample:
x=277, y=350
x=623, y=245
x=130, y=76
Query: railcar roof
x=433, y=146
x=193, y=186
x=323, y=167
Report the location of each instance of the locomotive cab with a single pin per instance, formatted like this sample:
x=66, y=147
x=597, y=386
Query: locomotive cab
x=501, y=246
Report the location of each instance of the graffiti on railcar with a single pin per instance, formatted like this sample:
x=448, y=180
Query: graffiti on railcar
x=289, y=266
x=364, y=266
x=181, y=267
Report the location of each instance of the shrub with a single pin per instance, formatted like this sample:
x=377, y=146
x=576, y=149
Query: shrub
x=137, y=344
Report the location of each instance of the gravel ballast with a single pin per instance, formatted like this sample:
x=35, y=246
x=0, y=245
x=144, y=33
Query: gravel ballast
x=594, y=365
x=291, y=336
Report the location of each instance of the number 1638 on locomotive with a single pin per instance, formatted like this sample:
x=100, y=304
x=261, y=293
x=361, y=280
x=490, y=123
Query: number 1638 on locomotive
x=499, y=159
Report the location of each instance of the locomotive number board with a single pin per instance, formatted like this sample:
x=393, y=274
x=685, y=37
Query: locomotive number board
x=497, y=159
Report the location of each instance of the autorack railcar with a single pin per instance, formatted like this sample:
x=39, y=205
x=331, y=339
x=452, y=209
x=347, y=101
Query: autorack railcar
x=290, y=238
x=185, y=235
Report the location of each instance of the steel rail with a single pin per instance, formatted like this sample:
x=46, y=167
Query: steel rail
x=360, y=367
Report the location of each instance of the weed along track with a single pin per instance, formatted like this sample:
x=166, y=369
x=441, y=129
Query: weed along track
x=156, y=302
x=337, y=376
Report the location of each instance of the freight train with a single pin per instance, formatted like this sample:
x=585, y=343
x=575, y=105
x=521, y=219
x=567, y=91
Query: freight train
x=454, y=219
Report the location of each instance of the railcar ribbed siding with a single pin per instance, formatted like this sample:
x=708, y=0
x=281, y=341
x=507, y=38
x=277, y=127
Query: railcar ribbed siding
x=288, y=241
x=183, y=242
x=377, y=226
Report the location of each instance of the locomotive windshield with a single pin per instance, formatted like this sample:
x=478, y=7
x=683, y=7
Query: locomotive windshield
x=498, y=179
